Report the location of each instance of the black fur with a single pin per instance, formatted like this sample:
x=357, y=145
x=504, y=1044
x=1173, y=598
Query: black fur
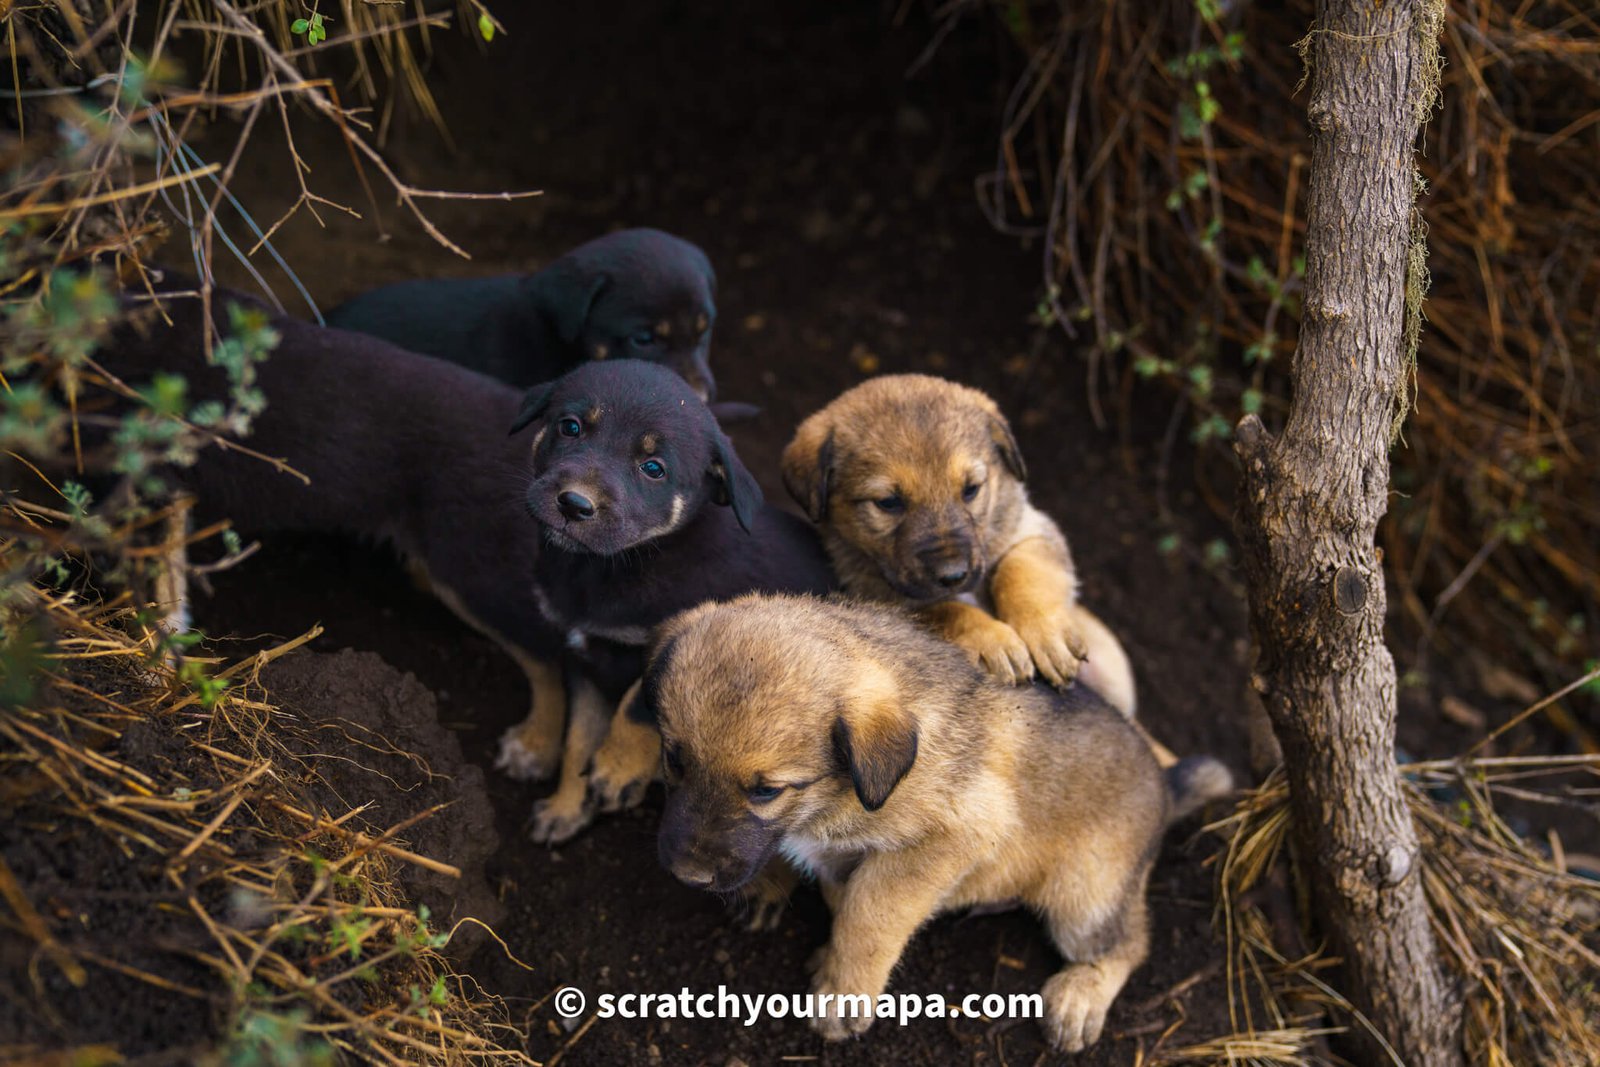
x=605, y=298
x=413, y=450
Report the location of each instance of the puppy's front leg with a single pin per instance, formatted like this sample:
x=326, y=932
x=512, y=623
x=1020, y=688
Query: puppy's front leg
x=876, y=911
x=628, y=760
x=531, y=749
x=988, y=642
x=566, y=811
x=1034, y=589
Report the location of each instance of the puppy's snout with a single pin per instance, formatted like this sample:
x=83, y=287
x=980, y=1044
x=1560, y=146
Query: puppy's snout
x=575, y=505
x=692, y=874
x=675, y=843
x=947, y=564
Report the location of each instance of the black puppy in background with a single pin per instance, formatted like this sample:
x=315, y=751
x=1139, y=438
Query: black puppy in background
x=634, y=294
x=615, y=503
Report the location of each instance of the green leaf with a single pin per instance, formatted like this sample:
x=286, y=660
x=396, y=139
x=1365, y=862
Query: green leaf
x=486, y=26
x=299, y=26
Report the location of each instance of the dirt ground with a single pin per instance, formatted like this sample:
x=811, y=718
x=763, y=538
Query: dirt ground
x=354, y=731
x=835, y=195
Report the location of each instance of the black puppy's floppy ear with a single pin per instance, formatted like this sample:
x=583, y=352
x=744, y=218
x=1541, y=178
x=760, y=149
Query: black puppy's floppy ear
x=1006, y=443
x=564, y=293
x=534, y=404
x=877, y=741
x=735, y=486
x=808, y=466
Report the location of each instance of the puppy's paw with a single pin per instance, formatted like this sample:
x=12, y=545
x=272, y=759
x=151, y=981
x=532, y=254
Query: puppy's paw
x=1054, y=646
x=846, y=1012
x=763, y=906
x=523, y=757
x=763, y=915
x=624, y=767
x=1076, y=1001
x=999, y=650
x=608, y=795
x=557, y=819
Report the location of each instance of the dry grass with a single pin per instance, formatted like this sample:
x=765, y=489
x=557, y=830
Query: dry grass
x=309, y=944
x=103, y=124
x=1518, y=930
x=300, y=916
x=1160, y=152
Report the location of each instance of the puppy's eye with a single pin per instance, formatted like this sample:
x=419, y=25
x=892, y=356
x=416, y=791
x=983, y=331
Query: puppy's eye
x=970, y=493
x=654, y=468
x=893, y=505
x=761, y=794
x=569, y=427
x=644, y=340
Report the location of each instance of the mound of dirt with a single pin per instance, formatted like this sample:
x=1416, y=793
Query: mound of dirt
x=388, y=755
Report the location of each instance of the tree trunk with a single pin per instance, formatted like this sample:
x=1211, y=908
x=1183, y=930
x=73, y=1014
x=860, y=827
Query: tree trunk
x=1309, y=504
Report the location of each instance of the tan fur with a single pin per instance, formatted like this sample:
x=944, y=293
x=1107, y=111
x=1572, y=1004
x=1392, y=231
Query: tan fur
x=923, y=441
x=911, y=784
x=627, y=760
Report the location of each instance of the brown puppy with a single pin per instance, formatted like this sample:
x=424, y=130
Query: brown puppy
x=847, y=739
x=917, y=486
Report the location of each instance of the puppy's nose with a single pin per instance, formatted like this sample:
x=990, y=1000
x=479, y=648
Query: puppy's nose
x=575, y=506
x=692, y=874
x=951, y=575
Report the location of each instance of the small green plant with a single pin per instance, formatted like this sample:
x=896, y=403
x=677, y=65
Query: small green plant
x=312, y=29
x=263, y=1038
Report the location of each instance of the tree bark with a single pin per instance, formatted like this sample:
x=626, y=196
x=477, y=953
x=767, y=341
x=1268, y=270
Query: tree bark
x=1309, y=505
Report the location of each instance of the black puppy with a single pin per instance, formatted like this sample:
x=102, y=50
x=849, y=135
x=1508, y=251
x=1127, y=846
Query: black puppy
x=618, y=527
x=628, y=472
x=635, y=294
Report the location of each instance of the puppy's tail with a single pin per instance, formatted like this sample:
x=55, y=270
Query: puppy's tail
x=1193, y=782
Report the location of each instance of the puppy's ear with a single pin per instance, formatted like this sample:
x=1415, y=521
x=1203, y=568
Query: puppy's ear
x=876, y=739
x=726, y=411
x=641, y=703
x=808, y=466
x=564, y=293
x=735, y=486
x=877, y=757
x=534, y=405
x=1006, y=443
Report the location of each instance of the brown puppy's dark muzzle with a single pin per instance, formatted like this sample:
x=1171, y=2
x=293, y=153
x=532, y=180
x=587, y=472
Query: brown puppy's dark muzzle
x=947, y=565
x=708, y=851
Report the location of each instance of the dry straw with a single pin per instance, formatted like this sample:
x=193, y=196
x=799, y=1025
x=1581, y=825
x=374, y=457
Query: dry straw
x=1518, y=930
x=294, y=913
x=1159, y=151
x=297, y=913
